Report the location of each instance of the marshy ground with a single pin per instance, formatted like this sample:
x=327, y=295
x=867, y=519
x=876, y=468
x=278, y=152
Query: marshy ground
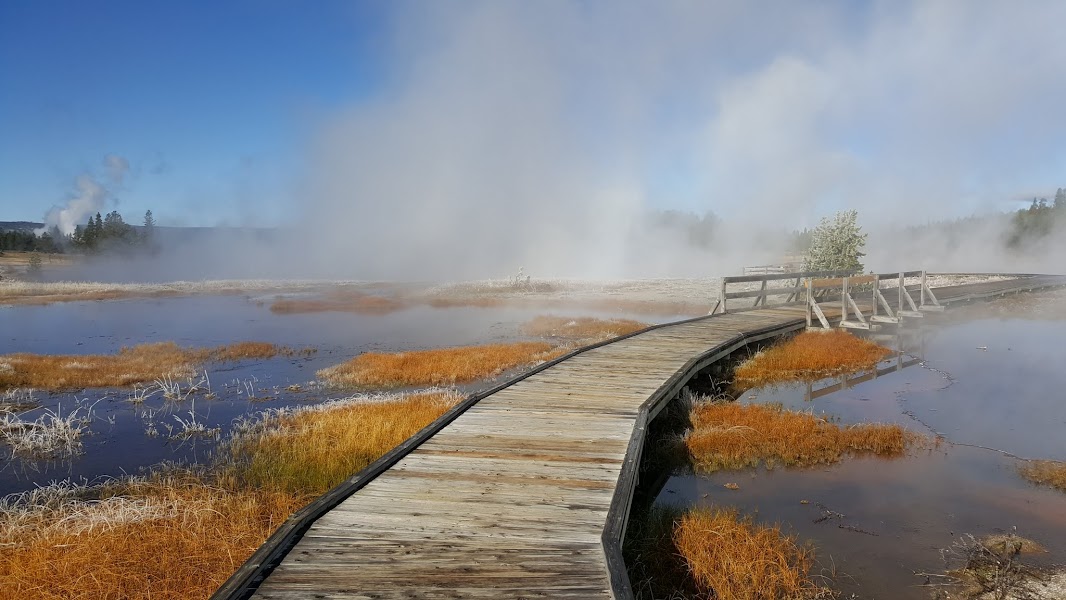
x=179, y=532
x=256, y=434
x=965, y=453
x=230, y=436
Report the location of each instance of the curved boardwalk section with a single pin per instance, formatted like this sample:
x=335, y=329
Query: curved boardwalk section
x=512, y=498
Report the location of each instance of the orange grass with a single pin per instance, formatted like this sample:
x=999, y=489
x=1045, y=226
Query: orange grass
x=181, y=535
x=729, y=435
x=339, y=301
x=167, y=538
x=139, y=364
x=312, y=451
x=1045, y=472
x=580, y=328
x=244, y=351
x=733, y=558
x=439, y=367
x=811, y=355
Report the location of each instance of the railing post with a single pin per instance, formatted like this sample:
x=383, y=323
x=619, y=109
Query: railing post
x=844, y=299
x=807, y=283
x=873, y=296
x=722, y=296
x=921, y=303
x=899, y=305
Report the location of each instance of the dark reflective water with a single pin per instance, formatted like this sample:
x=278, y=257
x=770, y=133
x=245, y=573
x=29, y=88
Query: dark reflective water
x=124, y=437
x=881, y=521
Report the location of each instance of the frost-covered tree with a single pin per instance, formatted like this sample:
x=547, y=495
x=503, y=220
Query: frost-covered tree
x=35, y=264
x=836, y=244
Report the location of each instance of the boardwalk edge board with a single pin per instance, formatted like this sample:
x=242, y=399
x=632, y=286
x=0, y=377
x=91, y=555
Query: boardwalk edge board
x=247, y=579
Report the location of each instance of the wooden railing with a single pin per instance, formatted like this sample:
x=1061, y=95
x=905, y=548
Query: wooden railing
x=791, y=292
x=815, y=287
x=881, y=311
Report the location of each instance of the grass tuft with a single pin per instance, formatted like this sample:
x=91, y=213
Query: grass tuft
x=1045, y=472
x=729, y=435
x=716, y=553
x=162, y=537
x=244, y=351
x=732, y=558
x=580, y=328
x=140, y=364
x=810, y=355
x=52, y=434
x=340, y=301
x=438, y=367
x=311, y=449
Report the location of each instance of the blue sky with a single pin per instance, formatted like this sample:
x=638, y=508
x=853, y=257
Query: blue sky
x=211, y=102
x=360, y=114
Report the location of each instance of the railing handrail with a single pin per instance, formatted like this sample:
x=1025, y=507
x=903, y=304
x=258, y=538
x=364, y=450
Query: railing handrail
x=792, y=293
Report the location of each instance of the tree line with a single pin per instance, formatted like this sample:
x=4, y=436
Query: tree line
x=101, y=233
x=1037, y=221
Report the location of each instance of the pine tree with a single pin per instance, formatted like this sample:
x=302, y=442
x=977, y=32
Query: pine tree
x=149, y=226
x=90, y=234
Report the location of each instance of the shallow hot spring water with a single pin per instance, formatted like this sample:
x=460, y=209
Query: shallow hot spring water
x=989, y=387
x=124, y=437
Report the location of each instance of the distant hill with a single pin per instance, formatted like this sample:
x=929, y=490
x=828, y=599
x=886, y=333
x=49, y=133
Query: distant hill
x=19, y=225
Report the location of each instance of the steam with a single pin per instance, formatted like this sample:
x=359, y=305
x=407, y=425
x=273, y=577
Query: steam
x=546, y=135
x=89, y=197
x=117, y=167
x=541, y=134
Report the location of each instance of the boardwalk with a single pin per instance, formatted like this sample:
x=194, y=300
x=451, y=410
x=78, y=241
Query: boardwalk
x=526, y=492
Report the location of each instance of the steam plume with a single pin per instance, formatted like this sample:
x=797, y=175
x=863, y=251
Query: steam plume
x=89, y=197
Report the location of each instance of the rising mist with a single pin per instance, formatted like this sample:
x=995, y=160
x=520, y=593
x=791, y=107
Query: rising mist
x=542, y=135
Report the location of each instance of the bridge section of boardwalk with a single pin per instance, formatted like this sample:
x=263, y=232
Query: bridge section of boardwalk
x=522, y=493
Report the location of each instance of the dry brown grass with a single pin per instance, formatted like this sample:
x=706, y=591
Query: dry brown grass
x=580, y=328
x=180, y=535
x=244, y=351
x=811, y=355
x=340, y=301
x=729, y=435
x=1045, y=472
x=313, y=450
x=172, y=537
x=438, y=367
x=139, y=364
x=732, y=558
